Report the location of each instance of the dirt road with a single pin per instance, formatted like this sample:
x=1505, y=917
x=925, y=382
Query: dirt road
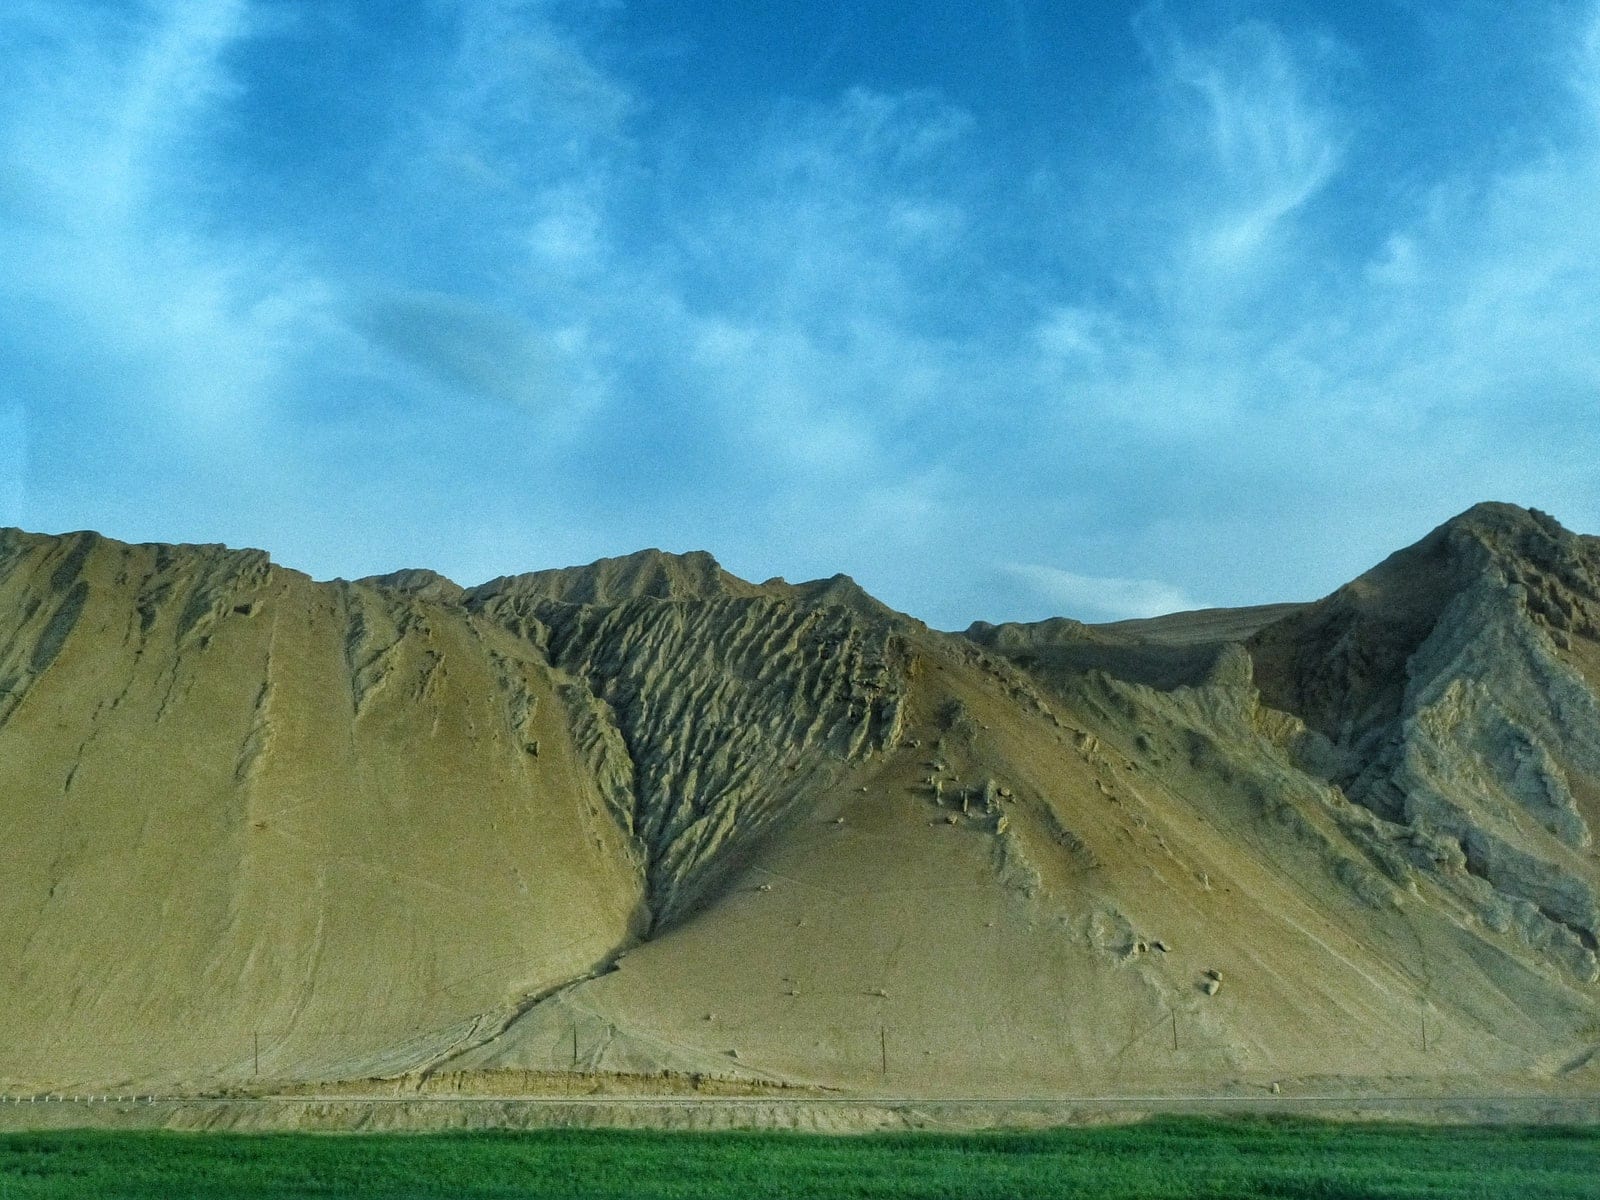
x=818, y=1113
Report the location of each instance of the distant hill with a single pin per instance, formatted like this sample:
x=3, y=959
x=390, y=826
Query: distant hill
x=644, y=815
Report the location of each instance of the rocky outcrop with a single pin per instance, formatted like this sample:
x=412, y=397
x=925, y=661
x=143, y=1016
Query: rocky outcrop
x=379, y=825
x=731, y=702
x=648, y=574
x=1454, y=709
x=1443, y=696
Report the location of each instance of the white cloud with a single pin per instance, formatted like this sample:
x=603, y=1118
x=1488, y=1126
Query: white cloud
x=107, y=146
x=769, y=385
x=1474, y=324
x=1098, y=598
x=838, y=214
x=1273, y=138
x=1076, y=333
x=521, y=117
x=107, y=107
x=567, y=230
x=866, y=130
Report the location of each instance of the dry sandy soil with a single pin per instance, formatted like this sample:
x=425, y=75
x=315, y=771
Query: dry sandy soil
x=644, y=817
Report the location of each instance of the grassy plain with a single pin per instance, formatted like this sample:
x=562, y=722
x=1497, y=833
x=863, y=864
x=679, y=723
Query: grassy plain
x=1160, y=1160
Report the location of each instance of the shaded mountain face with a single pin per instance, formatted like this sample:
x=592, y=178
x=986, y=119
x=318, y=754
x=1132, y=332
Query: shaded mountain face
x=717, y=704
x=1454, y=691
x=319, y=830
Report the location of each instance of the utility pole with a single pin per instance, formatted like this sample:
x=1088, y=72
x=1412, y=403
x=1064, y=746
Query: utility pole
x=883, y=1049
x=1174, y=1015
x=574, y=1047
x=1424, y=1031
x=258, y=1051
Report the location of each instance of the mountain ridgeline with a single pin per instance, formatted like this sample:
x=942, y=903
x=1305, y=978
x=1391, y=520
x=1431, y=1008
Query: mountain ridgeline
x=645, y=816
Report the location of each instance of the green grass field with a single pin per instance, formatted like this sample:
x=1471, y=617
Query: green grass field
x=1168, y=1158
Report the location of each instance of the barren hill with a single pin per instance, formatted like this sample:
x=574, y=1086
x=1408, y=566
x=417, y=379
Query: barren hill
x=644, y=815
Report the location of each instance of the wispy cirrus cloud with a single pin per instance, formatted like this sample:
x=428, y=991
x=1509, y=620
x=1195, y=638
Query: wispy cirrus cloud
x=1262, y=132
x=1315, y=375
x=152, y=312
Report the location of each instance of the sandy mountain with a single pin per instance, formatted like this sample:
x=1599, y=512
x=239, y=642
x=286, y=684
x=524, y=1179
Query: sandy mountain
x=645, y=815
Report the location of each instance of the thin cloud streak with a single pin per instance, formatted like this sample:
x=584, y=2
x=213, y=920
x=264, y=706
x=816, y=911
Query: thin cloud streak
x=1273, y=144
x=1094, y=598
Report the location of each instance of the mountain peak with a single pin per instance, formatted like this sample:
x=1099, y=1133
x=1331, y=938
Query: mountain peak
x=837, y=591
x=653, y=574
x=1506, y=529
x=1341, y=664
x=419, y=582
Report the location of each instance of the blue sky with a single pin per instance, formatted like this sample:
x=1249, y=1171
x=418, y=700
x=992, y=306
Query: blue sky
x=1007, y=309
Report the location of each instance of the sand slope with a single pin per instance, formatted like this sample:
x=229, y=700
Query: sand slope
x=239, y=804
x=644, y=815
